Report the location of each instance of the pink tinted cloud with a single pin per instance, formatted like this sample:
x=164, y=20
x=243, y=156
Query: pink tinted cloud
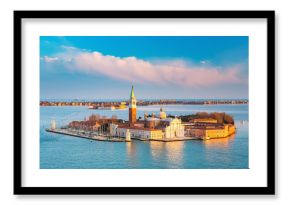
x=137, y=70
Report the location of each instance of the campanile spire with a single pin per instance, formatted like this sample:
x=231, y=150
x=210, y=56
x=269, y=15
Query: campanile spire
x=132, y=95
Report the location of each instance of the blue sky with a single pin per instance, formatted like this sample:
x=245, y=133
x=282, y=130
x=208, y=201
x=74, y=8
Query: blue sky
x=94, y=67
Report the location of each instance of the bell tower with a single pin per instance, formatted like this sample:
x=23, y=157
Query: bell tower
x=132, y=107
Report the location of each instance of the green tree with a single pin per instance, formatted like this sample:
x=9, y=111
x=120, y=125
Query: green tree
x=228, y=119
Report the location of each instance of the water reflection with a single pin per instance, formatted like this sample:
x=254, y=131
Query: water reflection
x=157, y=149
x=222, y=143
x=175, y=153
x=218, y=151
x=131, y=154
x=170, y=152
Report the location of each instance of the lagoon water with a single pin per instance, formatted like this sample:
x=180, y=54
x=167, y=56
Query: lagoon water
x=65, y=152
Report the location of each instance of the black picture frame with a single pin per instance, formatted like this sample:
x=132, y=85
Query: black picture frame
x=268, y=190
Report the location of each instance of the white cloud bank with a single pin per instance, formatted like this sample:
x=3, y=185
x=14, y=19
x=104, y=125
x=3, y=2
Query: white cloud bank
x=136, y=70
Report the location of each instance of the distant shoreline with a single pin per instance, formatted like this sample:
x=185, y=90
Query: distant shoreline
x=109, y=103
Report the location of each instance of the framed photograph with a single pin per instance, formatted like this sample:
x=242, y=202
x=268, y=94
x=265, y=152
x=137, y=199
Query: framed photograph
x=144, y=102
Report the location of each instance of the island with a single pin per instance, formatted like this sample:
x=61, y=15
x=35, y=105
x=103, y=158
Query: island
x=152, y=127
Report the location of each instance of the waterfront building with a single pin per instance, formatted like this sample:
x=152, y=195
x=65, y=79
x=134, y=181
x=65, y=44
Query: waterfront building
x=85, y=125
x=137, y=132
x=207, y=131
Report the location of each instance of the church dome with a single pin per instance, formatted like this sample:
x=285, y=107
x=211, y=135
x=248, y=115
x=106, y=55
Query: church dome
x=162, y=114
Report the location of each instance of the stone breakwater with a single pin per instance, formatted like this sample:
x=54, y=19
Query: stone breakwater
x=81, y=134
x=72, y=133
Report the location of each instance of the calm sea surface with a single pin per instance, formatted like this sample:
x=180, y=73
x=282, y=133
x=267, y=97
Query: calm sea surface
x=65, y=152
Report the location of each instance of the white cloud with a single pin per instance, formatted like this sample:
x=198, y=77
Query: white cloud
x=136, y=70
x=49, y=59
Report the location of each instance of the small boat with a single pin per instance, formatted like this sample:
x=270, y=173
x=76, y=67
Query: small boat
x=107, y=108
